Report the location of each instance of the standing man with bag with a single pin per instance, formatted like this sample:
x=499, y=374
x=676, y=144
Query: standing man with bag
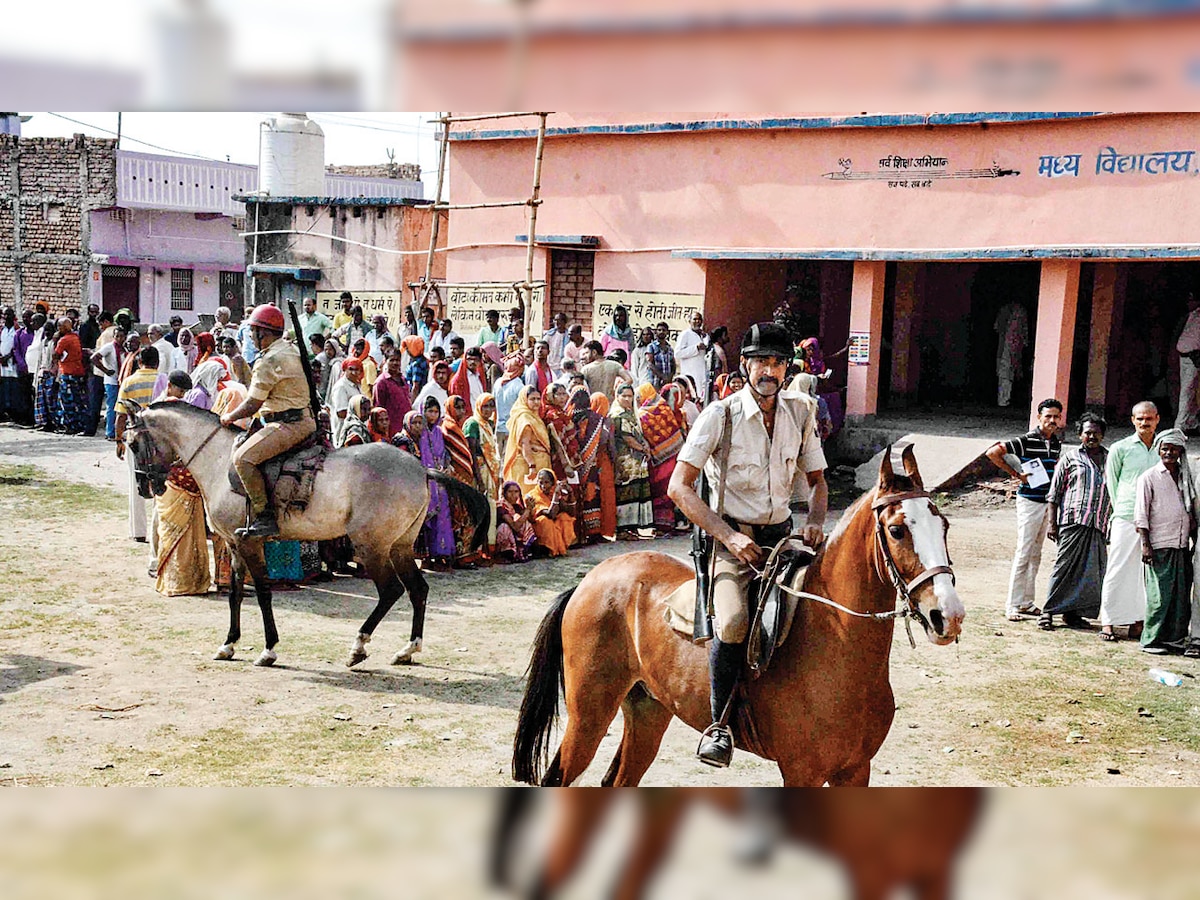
x=751, y=447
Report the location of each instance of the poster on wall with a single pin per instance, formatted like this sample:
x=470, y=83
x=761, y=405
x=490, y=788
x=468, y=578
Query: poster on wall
x=373, y=303
x=647, y=309
x=860, y=348
x=467, y=305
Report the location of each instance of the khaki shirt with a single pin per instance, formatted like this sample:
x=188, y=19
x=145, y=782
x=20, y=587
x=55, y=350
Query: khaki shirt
x=761, y=470
x=277, y=378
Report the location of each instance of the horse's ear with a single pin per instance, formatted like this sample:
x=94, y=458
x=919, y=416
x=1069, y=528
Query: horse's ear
x=886, y=475
x=910, y=467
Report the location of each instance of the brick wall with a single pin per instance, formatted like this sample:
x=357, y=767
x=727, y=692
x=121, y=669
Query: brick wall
x=572, y=273
x=48, y=186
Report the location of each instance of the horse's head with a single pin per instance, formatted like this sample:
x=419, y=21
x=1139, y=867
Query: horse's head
x=151, y=459
x=911, y=548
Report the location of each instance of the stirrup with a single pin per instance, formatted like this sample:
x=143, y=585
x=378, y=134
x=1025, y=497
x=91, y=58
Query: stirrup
x=712, y=736
x=265, y=525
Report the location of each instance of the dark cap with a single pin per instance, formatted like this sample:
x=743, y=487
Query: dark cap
x=767, y=339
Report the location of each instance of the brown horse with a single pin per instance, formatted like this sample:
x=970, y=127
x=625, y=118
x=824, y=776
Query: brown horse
x=906, y=837
x=822, y=710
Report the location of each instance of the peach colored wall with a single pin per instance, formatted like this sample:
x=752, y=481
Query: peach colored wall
x=771, y=188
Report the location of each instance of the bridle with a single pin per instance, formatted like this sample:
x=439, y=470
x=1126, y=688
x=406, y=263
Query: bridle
x=153, y=472
x=885, y=563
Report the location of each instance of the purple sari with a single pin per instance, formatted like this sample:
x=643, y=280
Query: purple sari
x=438, y=529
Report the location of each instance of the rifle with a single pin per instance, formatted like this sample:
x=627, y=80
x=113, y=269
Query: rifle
x=308, y=375
x=702, y=551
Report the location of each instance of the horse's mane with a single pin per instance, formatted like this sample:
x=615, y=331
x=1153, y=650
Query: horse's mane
x=186, y=409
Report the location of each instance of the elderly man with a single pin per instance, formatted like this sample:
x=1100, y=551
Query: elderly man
x=222, y=324
x=691, y=354
x=1123, y=598
x=1164, y=521
x=1031, y=459
x=1079, y=519
x=166, y=350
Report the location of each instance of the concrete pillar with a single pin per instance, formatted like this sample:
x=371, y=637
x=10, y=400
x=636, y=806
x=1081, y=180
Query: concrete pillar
x=1103, y=289
x=1058, y=297
x=909, y=288
x=866, y=314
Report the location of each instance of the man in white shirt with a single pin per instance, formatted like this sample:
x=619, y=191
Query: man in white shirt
x=106, y=362
x=379, y=329
x=441, y=337
x=436, y=387
x=556, y=337
x=691, y=355
x=772, y=441
x=1188, y=346
x=166, y=350
x=10, y=384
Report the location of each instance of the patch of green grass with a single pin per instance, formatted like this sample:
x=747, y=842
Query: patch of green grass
x=44, y=498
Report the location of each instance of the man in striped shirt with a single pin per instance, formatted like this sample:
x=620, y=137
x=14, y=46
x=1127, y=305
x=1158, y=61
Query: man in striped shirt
x=1079, y=520
x=1038, y=449
x=138, y=387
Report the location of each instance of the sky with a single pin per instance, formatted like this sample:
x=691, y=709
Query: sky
x=350, y=138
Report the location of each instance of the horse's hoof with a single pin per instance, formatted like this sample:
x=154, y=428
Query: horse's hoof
x=266, y=658
x=357, y=655
x=405, y=656
x=225, y=653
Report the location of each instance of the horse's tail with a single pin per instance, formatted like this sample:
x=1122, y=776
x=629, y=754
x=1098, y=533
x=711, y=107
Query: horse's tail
x=477, y=504
x=539, y=708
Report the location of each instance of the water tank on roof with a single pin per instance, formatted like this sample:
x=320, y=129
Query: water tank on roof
x=293, y=157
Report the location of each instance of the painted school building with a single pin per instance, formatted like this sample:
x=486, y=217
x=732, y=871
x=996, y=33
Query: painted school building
x=902, y=235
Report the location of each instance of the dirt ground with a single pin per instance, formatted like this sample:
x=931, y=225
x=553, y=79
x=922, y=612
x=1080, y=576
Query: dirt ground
x=104, y=682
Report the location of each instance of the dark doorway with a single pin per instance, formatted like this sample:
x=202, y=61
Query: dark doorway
x=119, y=288
x=232, y=286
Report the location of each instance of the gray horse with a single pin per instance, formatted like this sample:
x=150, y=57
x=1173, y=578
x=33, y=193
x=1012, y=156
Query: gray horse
x=376, y=494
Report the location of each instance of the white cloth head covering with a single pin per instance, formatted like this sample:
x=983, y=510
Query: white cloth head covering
x=1177, y=438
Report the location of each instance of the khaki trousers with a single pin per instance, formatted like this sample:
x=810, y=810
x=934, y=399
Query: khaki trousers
x=269, y=441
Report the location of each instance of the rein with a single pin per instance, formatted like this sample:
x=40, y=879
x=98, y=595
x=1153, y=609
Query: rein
x=907, y=608
x=150, y=469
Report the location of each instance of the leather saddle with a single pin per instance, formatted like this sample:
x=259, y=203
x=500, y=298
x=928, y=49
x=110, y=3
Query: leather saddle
x=290, y=476
x=770, y=622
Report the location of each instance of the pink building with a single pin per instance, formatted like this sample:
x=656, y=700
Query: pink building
x=913, y=233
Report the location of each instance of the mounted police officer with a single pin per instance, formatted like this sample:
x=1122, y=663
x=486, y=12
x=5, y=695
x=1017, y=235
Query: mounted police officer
x=279, y=395
x=751, y=446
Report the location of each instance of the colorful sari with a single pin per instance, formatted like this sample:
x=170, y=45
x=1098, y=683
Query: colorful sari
x=183, y=566
x=522, y=419
x=608, y=488
x=437, y=535
x=354, y=427
x=632, y=477
x=662, y=425
x=462, y=467
x=514, y=538
x=589, y=429
x=487, y=455
x=556, y=534
x=561, y=429
x=814, y=364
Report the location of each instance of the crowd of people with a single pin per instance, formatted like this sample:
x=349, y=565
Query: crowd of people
x=572, y=439
x=1125, y=521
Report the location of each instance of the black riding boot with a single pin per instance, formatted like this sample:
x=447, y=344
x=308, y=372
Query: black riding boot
x=263, y=526
x=724, y=666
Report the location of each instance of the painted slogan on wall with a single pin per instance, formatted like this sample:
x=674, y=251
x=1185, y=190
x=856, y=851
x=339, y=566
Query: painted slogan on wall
x=647, y=309
x=1110, y=162
x=467, y=305
x=373, y=303
x=923, y=171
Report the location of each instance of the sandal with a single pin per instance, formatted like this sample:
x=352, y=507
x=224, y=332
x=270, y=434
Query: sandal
x=1193, y=651
x=1108, y=636
x=1045, y=622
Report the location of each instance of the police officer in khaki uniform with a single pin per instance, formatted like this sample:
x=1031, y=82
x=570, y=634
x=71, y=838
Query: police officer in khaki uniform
x=772, y=440
x=279, y=395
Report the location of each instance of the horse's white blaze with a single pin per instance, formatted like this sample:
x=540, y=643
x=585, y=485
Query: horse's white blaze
x=929, y=541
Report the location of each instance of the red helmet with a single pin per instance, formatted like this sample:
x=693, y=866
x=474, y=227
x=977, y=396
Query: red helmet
x=267, y=316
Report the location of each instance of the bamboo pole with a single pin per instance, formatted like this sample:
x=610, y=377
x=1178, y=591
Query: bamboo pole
x=509, y=115
x=534, y=203
x=492, y=205
x=443, y=152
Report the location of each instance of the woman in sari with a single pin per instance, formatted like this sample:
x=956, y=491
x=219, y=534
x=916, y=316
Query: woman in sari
x=183, y=566
x=608, y=458
x=462, y=467
x=355, y=430
x=206, y=348
x=186, y=352
x=528, y=447
x=661, y=418
x=593, y=444
x=480, y=430
x=439, y=527
x=564, y=439
x=813, y=363
x=515, y=536
x=379, y=424
x=634, y=508
x=551, y=511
